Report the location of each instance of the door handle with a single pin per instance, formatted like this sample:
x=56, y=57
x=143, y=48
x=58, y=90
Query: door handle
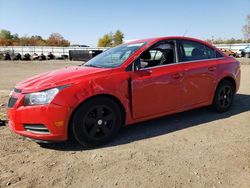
x=176, y=75
x=213, y=68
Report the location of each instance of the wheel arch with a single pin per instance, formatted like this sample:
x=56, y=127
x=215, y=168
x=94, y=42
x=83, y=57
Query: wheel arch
x=230, y=79
x=109, y=96
x=214, y=102
x=226, y=78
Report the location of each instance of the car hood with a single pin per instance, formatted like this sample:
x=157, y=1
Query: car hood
x=56, y=78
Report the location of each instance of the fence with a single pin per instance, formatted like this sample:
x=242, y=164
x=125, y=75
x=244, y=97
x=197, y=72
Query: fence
x=233, y=46
x=57, y=51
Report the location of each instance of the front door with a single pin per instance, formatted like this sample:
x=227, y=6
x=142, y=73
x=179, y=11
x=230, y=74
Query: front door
x=156, y=89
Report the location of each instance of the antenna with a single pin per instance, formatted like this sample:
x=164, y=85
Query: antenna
x=185, y=32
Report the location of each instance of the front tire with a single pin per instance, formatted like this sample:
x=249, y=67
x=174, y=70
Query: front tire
x=223, y=97
x=96, y=122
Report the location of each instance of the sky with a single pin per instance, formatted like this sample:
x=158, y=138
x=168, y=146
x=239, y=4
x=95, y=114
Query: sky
x=85, y=21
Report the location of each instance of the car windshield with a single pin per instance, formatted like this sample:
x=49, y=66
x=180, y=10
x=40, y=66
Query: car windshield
x=114, y=57
x=247, y=49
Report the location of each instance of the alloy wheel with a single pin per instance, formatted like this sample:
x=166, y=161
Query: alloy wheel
x=225, y=96
x=99, y=122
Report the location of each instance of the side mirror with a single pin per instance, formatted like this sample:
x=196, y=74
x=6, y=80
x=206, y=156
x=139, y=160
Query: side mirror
x=138, y=64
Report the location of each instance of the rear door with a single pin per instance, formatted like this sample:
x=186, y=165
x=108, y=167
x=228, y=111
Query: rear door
x=199, y=64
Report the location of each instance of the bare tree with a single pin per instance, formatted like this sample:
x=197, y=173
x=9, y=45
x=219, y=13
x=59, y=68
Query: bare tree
x=56, y=39
x=246, y=28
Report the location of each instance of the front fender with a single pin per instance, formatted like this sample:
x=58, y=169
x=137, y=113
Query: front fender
x=116, y=85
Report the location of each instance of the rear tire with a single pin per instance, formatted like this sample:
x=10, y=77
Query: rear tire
x=96, y=122
x=223, y=97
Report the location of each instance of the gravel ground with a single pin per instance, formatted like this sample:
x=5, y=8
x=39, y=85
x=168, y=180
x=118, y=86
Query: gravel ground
x=198, y=148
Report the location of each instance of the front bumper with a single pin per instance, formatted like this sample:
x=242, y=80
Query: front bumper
x=52, y=116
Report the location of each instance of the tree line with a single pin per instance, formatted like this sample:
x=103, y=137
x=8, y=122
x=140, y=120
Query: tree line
x=9, y=39
x=228, y=41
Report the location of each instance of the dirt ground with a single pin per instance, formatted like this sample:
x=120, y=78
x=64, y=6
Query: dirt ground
x=198, y=148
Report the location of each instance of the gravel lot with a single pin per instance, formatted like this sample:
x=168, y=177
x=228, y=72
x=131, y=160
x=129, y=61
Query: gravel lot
x=198, y=148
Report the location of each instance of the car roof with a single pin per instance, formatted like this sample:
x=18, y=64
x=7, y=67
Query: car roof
x=164, y=38
x=153, y=40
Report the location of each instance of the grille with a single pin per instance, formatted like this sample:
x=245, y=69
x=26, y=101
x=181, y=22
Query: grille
x=11, y=102
x=36, y=128
x=17, y=90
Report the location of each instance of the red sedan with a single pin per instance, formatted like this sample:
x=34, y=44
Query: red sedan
x=130, y=83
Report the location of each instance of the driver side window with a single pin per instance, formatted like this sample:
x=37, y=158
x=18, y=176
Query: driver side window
x=161, y=54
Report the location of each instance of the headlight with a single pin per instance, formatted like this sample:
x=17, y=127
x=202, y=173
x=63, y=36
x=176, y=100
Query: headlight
x=42, y=97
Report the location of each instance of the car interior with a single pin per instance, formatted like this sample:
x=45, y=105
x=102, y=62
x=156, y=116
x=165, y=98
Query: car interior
x=197, y=54
x=161, y=54
x=192, y=51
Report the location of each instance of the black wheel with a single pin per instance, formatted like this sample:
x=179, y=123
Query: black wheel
x=224, y=96
x=96, y=122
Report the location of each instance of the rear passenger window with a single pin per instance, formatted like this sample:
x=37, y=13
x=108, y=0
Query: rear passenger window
x=192, y=51
x=211, y=53
x=218, y=55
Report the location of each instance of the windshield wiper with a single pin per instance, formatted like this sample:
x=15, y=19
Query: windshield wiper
x=91, y=65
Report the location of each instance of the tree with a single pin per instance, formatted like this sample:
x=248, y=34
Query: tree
x=246, y=28
x=15, y=36
x=15, y=40
x=109, y=40
x=105, y=41
x=24, y=41
x=56, y=39
x=4, y=42
x=37, y=41
x=5, y=34
x=5, y=37
x=118, y=38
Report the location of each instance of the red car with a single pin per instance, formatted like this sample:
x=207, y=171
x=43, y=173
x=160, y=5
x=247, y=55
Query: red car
x=133, y=82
